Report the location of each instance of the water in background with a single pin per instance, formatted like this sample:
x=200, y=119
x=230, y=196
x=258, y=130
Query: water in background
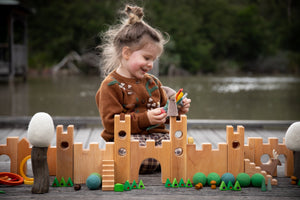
x=259, y=98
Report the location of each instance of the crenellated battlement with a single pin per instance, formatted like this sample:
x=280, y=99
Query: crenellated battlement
x=69, y=159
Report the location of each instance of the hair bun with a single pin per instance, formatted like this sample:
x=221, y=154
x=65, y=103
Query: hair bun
x=134, y=13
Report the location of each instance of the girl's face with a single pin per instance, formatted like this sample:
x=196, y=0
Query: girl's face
x=137, y=63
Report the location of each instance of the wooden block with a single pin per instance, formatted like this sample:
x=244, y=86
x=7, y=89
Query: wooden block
x=108, y=177
x=190, y=140
x=235, y=143
x=289, y=159
x=249, y=150
x=24, y=150
x=258, y=143
x=274, y=182
x=251, y=168
x=108, y=188
x=86, y=161
x=257, y=149
x=64, y=152
x=51, y=157
x=268, y=149
x=206, y=147
x=178, y=162
x=205, y=160
x=122, y=137
x=108, y=153
x=160, y=153
x=11, y=150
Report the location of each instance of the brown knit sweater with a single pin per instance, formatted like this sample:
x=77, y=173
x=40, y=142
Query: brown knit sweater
x=118, y=94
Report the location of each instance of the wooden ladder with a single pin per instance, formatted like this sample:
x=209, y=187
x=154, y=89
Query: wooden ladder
x=108, y=175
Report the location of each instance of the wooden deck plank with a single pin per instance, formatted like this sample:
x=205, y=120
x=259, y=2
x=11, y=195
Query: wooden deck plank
x=155, y=190
x=4, y=134
x=82, y=136
x=214, y=136
x=95, y=136
x=19, y=132
x=22, y=121
x=280, y=134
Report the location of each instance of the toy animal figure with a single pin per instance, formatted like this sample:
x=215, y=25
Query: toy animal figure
x=271, y=166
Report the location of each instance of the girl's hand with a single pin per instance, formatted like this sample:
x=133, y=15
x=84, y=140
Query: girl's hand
x=156, y=116
x=186, y=106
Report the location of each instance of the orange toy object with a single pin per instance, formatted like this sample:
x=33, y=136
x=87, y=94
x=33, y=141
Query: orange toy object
x=15, y=178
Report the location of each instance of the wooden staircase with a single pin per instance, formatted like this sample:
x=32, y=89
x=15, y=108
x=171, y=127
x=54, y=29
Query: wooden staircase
x=251, y=168
x=108, y=175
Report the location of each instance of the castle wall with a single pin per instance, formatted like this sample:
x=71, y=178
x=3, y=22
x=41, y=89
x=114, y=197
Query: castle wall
x=256, y=149
x=206, y=160
x=71, y=160
x=87, y=161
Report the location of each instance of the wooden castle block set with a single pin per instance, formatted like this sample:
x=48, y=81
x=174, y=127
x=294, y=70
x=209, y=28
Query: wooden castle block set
x=120, y=160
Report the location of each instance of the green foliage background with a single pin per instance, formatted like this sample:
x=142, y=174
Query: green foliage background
x=205, y=36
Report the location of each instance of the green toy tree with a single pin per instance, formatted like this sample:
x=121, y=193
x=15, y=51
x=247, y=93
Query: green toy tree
x=188, y=184
x=134, y=185
x=168, y=183
x=127, y=186
x=70, y=183
x=62, y=182
x=229, y=186
x=223, y=186
x=55, y=183
x=181, y=183
x=237, y=186
x=141, y=185
x=175, y=183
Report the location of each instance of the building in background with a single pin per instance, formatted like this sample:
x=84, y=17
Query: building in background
x=13, y=39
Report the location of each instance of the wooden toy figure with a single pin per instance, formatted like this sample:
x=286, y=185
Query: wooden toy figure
x=292, y=141
x=174, y=101
x=40, y=134
x=271, y=166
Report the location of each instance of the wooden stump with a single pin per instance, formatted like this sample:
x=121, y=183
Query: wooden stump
x=40, y=170
x=297, y=164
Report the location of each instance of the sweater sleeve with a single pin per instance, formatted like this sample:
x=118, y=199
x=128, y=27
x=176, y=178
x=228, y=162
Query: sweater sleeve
x=108, y=102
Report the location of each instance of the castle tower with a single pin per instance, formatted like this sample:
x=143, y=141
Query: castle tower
x=235, y=143
x=122, y=134
x=178, y=134
x=64, y=153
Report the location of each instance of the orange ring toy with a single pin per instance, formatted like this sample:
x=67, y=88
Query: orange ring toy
x=18, y=179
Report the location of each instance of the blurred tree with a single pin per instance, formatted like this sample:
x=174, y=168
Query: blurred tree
x=202, y=33
x=58, y=27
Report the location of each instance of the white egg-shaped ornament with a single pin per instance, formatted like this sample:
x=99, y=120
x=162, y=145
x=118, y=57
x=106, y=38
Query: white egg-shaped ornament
x=40, y=130
x=40, y=133
x=292, y=142
x=292, y=137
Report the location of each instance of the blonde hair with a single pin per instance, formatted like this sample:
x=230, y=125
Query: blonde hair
x=133, y=32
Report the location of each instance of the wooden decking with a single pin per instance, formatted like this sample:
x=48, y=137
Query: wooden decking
x=201, y=132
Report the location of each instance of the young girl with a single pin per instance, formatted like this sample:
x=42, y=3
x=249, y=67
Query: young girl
x=128, y=53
